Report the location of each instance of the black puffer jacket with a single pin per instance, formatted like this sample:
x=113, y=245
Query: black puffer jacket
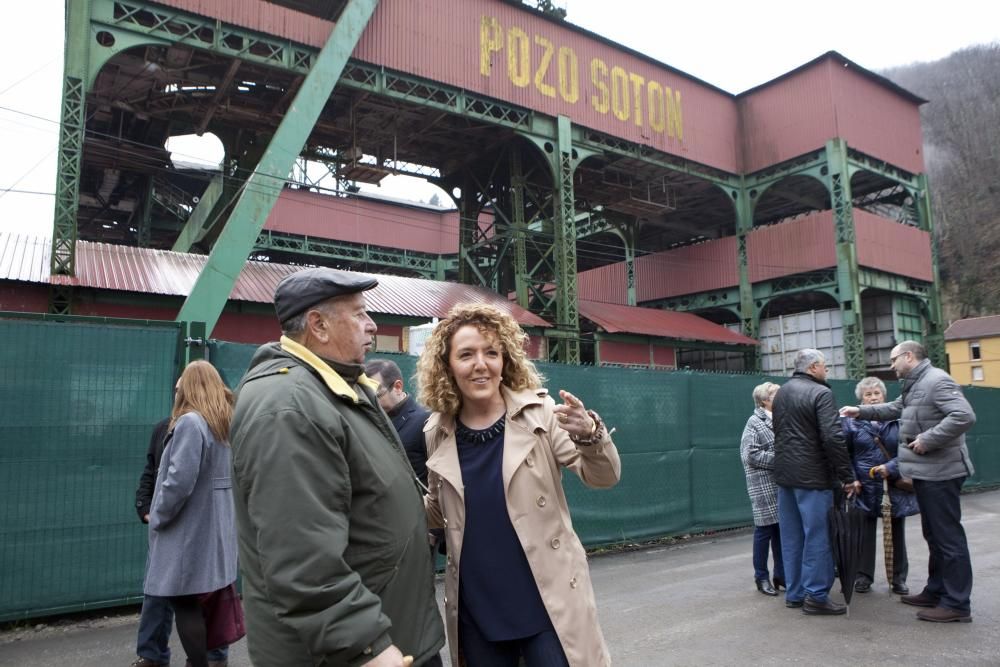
x=809, y=447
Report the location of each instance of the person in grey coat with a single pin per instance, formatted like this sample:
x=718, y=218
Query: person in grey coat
x=934, y=416
x=757, y=455
x=192, y=531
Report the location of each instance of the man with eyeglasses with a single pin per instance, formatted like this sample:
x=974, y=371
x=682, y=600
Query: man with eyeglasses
x=934, y=416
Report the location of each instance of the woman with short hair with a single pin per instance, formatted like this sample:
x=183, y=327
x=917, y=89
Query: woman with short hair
x=517, y=585
x=757, y=455
x=873, y=447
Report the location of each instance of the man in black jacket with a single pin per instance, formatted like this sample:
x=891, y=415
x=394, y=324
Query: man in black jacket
x=408, y=416
x=810, y=458
x=157, y=617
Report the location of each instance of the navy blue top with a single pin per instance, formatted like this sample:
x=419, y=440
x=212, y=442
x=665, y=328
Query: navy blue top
x=496, y=588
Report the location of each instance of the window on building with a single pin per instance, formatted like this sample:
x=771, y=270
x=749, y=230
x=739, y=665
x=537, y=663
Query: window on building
x=974, y=352
x=977, y=374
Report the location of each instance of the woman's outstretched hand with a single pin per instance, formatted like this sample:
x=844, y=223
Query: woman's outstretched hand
x=572, y=416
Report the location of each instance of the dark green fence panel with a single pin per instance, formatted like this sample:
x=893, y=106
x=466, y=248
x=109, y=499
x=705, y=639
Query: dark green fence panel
x=79, y=402
x=80, y=398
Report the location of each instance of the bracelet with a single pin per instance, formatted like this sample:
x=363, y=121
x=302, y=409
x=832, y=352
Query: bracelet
x=596, y=433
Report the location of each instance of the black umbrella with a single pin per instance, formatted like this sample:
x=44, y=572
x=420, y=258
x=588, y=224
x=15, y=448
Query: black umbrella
x=847, y=526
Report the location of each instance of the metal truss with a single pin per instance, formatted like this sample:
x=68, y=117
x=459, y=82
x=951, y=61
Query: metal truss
x=888, y=282
x=427, y=265
x=859, y=161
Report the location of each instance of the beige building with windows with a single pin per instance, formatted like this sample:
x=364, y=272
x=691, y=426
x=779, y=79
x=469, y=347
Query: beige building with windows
x=973, y=348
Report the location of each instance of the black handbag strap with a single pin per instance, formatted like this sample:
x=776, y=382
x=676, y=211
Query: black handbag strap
x=885, y=452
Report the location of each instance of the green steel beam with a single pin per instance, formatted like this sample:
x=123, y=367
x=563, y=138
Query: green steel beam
x=71, y=132
x=210, y=292
x=521, y=276
x=890, y=282
x=201, y=217
x=749, y=312
x=564, y=205
x=859, y=161
x=429, y=266
x=839, y=184
x=935, y=319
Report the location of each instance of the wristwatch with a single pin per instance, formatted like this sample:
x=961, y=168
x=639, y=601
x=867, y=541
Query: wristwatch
x=596, y=433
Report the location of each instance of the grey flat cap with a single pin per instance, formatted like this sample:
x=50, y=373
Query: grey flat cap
x=302, y=289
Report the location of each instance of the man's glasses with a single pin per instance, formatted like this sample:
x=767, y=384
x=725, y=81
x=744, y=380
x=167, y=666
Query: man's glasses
x=892, y=360
x=382, y=391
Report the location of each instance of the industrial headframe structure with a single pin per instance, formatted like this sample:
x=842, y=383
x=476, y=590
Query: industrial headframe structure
x=582, y=171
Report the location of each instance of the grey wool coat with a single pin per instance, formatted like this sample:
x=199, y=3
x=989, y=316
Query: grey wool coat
x=757, y=454
x=932, y=407
x=192, y=532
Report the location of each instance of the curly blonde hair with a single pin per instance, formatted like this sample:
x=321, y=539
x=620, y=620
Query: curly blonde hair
x=201, y=389
x=438, y=389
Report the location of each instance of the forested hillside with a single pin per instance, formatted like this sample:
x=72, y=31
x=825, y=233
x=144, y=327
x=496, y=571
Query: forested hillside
x=962, y=151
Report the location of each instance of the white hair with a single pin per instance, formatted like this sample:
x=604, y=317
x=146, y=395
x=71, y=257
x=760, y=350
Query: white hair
x=806, y=358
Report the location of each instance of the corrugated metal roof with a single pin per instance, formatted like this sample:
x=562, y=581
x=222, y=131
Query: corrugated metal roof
x=615, y=318
x=973, y=327
x=148, y=271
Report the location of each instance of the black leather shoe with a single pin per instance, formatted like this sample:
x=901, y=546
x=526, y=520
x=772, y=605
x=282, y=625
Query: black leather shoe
x=825, y=608
x=779, y=584
x=900, y=589
x=862, y=586
x=764, y=586
x=793, y=604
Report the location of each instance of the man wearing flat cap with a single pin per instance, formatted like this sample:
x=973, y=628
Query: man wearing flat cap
x=332, y=535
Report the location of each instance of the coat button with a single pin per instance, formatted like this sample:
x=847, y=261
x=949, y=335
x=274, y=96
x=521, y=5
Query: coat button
x=541, y=501
x=529, y=462
x=555, y=542
x=572, y=582
x=446, y=522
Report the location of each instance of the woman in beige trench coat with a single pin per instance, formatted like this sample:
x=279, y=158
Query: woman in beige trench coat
x=517, y=585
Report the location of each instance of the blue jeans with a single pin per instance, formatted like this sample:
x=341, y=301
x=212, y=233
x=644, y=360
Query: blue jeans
x=155, y=622
x=949, y=567
x=805, y=542
x=767, y=538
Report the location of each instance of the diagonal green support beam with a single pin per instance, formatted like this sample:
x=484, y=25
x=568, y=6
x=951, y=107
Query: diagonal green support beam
x=201, y=217
x=211, y=291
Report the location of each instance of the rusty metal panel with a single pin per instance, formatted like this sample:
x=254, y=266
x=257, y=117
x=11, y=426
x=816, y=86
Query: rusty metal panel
x=607, y=284
x=696, y=268
x=893, y=247
x=150, y=271
x=792, y=247
x=364, y=220
x=828, y=99
x=664, y=356
x=660, y=323
x=261, y=16
x=619, y=352
x=787, y=118
x=506, y=52
x=875, y=120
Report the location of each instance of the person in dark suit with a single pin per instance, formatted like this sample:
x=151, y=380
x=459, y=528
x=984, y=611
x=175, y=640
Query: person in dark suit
x=408, y=417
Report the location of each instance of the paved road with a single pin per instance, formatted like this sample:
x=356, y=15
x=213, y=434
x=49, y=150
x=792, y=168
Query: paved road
x=692, y=603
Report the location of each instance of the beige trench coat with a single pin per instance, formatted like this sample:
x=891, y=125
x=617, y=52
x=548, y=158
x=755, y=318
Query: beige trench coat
x=535, y=449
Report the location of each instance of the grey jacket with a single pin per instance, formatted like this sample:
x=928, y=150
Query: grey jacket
x=192, y=531
x=932, y=407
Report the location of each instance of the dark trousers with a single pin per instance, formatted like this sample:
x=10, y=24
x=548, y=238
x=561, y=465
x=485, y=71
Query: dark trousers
x=191, y=628
x=949, y=567
x=541, y=650
x=155, y=623
x=900, y=563
x=767, y=538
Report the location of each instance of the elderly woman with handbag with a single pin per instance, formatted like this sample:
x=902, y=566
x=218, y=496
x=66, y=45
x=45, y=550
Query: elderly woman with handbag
x=873, y=447
x=757, y=455
x=517, y=585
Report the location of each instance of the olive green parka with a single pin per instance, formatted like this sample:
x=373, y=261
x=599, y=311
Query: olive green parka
x=332, y=534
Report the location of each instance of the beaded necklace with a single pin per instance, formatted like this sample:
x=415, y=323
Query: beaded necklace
x=479, y=436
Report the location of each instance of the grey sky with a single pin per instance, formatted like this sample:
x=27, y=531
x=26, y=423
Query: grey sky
x=730, y=44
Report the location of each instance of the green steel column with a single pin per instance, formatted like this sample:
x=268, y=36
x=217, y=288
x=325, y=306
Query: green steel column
x=935, y=319
x=628, y=239
x=71, y=132
x=201, y=217
x=567, y=306
x=848, y=277
x=468, y=219
x=211, y=291
x=749, y=314
x=520, y=227
x=145, y=227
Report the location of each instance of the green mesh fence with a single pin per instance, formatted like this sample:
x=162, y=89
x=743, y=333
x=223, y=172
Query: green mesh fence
x=79, y=404
x=80, y=400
